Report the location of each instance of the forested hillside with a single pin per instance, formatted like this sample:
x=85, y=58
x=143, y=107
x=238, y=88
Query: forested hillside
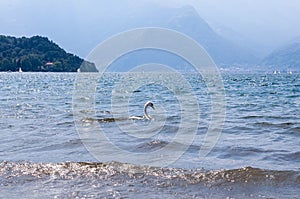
x=38, y=54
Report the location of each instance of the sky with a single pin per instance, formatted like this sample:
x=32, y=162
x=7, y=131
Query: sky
x=270, y=23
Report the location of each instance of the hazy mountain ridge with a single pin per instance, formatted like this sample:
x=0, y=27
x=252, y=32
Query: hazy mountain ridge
x=224, y=52
x=284, y=58
x=187, y=20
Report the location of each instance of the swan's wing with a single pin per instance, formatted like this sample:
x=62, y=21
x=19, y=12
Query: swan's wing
x=136, y=117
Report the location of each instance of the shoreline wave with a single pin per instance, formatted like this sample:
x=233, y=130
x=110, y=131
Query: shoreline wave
x=70, y=170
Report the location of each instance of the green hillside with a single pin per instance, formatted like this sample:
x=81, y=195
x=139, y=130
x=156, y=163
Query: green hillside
x=38, y=54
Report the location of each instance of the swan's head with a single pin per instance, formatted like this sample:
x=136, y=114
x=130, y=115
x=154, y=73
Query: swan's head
x=150, y=104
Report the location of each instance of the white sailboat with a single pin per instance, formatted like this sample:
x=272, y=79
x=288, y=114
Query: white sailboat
x=20, y=70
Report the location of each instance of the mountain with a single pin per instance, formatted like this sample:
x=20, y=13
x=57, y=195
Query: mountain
x=284, y=58
x=186, y=20
x=224, y=52
x=38, y=54
x=259, y=49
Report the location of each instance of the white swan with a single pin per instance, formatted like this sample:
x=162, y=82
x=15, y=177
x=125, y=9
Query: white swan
x=146, y=115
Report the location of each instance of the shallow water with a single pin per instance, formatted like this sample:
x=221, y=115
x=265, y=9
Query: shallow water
x=43, y=154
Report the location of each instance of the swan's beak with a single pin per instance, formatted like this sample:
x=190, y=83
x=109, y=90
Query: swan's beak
x=153, y=107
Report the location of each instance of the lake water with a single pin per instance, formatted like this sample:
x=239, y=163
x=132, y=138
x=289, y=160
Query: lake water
x=54, y=127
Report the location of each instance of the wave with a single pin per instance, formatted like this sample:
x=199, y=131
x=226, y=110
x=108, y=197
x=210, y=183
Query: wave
x=99, y=120
x=278, y=125
x=71, y=170
x=110, y=119
x=152, y=145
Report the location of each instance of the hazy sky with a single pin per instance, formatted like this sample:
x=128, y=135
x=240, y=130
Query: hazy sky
x=268, y=22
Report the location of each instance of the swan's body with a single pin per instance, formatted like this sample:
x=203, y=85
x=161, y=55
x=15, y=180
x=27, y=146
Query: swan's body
x=146, y=115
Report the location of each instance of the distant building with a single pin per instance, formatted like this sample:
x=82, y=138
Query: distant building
x=47, y=66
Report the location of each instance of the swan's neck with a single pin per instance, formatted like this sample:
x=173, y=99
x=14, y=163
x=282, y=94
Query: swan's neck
x=146, y=114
